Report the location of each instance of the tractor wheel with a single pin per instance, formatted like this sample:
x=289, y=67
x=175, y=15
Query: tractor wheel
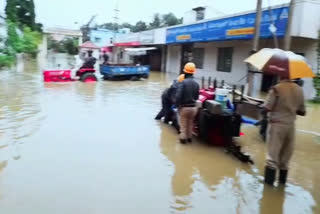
x=135, y=78
x=88, y=77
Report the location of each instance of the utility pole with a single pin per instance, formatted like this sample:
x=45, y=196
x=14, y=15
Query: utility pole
x=115, y=30
x=256, y=38
x=251, y=71
x=287, y=38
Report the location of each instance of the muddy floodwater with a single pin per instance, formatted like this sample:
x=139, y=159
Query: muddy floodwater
x=76, y=148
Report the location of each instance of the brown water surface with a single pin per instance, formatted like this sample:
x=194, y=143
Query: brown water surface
x=76, y=148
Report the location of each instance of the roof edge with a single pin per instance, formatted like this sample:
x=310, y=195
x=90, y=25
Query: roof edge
x=231, y=15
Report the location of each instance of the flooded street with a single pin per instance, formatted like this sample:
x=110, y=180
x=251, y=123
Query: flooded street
x=77, y=148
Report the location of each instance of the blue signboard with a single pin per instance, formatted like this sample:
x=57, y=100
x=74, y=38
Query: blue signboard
x=238, y=27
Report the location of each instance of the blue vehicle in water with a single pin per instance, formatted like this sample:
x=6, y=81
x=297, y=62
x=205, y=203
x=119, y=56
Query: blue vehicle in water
x=124, y=71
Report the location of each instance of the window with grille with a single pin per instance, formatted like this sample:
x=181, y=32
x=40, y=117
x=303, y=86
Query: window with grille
x=198, y=57
x=200, y=15
x=224, y=59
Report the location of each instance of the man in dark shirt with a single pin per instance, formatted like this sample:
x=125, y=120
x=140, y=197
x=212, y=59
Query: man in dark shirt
x=187, y=96
x=89, y=61
x=105, y=58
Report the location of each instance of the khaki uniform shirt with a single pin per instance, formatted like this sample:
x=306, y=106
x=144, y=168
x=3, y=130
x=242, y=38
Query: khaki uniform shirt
x=284, y=101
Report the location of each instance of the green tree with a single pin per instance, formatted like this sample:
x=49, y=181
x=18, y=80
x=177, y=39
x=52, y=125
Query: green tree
x=109, y=26
x=156, y=23
x=126, y=25
x=140, y=26
x=170, y=19
x=30, y=41
x=11, y=10
x=26, y=14
x=68, y=45
x=23, y=13
x=14, y=41
x=71, y=46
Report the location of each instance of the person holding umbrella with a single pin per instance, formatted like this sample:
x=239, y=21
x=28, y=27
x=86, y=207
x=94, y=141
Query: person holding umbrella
x=284, y=102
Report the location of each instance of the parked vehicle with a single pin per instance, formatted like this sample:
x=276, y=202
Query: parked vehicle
x=84, y=75
x=218, y=122
x=110, y=72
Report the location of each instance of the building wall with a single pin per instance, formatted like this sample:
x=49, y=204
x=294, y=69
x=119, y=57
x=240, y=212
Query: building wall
x=160, y=36
x=101, y=37
x=238, y=70
x=173, y=59
x=306, y=19
x=308, y=47
x=125, y=59
x=240, y=53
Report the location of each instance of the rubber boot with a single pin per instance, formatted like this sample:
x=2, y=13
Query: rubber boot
x=183, y=141
x=283, y=176
x=269, y=175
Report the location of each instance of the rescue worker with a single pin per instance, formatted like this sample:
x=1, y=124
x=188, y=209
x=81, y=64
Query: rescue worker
x=284, y=102
x=89, y=61
x=187, y=95
x=168, y=100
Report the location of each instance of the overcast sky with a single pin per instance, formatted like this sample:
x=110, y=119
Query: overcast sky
x=64, y=13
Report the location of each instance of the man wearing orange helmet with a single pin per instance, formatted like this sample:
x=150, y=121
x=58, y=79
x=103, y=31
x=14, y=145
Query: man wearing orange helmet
x=187, y=95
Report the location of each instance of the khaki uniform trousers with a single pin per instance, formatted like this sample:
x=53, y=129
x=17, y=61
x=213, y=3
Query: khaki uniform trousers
x=280, y=140
x=187, y=116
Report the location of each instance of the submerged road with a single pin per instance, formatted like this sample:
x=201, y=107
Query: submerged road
x=95, y=148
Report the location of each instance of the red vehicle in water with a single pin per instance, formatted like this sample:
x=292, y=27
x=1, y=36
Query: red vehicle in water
x=84, y=75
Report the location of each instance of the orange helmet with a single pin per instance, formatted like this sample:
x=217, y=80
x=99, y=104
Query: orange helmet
x=190, y=68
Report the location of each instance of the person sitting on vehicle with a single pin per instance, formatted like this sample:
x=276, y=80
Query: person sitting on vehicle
x=105, y=58
x=187, y=95
x=89, y=61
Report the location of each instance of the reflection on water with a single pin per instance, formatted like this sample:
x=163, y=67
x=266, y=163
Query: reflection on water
x=20, y=108
x=209, y=178
x=95, y=148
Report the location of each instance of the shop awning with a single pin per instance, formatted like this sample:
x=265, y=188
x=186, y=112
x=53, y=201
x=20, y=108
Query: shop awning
x=140, y=49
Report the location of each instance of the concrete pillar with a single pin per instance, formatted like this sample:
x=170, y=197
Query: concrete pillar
x=80, y=40
x=163, y=58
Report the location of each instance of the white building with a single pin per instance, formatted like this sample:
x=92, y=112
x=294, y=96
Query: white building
x=200, y=13
x=219, y=46
x=142, y=40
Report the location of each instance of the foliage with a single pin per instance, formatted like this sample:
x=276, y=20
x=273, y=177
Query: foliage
x=126, y=25
x=6, y=60
x=26, y=14
x=68, y=45
x=22, y=12
x=14, y=41
x=71, y=46
x=158, y=21
x=30, y=41
x=23, y=34
x=170, y=19
x=25, y=41
x=11, y=10
x=140, y=26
